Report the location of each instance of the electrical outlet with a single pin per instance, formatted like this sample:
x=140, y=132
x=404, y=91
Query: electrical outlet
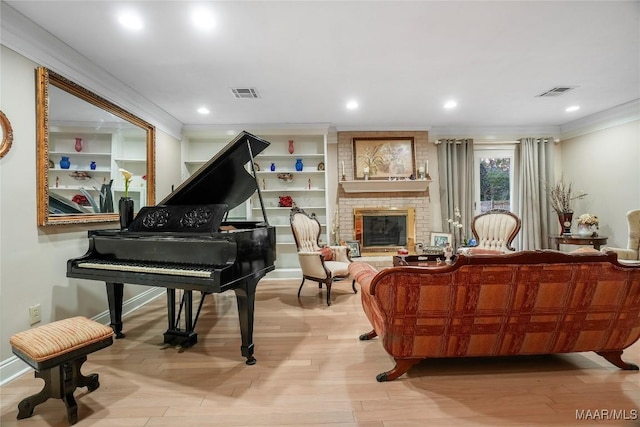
x=35, y=314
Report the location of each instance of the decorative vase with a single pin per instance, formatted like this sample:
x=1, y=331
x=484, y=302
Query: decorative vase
x=291, y=146
x=587, y=230
x=65, y=163
x=273, y=167
x=125, y=208
x=93, y=166
x=299, y=165
x=565, y=219
x=78, y=145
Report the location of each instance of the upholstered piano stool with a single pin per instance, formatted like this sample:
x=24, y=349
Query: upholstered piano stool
x=57, y=351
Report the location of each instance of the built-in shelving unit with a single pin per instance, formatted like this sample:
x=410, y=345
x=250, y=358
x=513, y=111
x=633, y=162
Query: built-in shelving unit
x=306, y=187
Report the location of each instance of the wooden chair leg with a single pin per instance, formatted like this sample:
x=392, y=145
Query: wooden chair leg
x=300, y=288
x=353, y=286
x=328, y=282
x=368, y=336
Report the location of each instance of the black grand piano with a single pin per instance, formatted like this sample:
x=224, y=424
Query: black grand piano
x=186, y=243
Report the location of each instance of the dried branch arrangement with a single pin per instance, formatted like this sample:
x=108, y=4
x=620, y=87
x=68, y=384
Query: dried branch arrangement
x=562, y=195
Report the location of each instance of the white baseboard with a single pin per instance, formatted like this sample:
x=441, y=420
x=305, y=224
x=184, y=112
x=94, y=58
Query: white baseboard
x=13, y=367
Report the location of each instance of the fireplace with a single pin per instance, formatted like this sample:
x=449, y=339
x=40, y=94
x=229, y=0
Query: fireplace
x=382, y=229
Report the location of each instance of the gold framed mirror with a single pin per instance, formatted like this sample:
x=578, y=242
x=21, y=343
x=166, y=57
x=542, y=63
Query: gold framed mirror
x=7, y=135
x=83, y=141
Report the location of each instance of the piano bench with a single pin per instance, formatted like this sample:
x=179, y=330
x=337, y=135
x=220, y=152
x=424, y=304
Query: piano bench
x=57, y=351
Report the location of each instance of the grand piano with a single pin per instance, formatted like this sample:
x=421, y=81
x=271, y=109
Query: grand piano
x=185, y=244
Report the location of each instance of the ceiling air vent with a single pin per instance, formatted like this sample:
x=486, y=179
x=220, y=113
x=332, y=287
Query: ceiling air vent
x=557, y=91
x=245, y=93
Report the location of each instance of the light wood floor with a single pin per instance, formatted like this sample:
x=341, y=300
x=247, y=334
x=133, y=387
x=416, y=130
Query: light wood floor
x=313, y=371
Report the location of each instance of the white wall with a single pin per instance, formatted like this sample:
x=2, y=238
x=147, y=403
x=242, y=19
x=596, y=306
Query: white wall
x=33, y=260
x=605, y=164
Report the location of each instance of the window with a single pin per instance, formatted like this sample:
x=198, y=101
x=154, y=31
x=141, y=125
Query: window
x=494, y=178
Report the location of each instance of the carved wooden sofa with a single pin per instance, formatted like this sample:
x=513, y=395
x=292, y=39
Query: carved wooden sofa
x=525, y=303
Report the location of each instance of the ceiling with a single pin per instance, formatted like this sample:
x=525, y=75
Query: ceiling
x=400, y=60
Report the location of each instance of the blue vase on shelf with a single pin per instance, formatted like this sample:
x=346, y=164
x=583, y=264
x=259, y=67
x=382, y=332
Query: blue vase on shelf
x=65, y=163
x=93, y=166
x=299, y=165
x=273, y=167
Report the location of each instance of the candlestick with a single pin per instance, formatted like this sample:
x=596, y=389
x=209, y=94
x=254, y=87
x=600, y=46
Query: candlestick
x=343, y=168
x=426, y=167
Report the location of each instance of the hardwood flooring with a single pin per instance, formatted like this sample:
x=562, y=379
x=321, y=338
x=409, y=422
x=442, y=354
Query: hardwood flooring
x=312, y=370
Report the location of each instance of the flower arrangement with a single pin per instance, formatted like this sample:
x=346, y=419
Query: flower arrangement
x=588, y=219
x=561, y=196
x=285, y=201
x=455, y=226
x=127, y=180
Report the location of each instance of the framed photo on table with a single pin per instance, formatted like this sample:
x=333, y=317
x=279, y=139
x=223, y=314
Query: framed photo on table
x=354, y=248
x=441, y=239
x=384, y=158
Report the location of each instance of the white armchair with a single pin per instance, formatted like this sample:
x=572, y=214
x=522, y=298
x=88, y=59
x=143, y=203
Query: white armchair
x=322, y=265
x=633, y=242
x=495, y=230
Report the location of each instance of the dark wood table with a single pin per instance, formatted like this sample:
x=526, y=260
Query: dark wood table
x=576, y=239
x=419, y=260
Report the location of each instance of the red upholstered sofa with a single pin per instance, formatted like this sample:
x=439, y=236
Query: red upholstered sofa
x=529, y=302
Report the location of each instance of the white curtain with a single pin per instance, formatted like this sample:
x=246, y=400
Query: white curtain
x=535, y=156
x=455, y=173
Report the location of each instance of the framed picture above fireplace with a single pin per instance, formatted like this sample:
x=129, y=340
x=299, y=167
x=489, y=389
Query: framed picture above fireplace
x=440, y=239
x=384, y=158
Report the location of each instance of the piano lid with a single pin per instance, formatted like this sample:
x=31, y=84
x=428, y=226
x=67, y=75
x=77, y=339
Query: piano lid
x=224, y=178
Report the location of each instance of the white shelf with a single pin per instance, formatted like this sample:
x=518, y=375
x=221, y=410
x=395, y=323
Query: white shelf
x=78, y=153
x=384, y=186
x=294, y=190
x=84, y=169
x=287, y=209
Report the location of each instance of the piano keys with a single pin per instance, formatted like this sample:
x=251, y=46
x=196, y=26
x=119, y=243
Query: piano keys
x=186, y=243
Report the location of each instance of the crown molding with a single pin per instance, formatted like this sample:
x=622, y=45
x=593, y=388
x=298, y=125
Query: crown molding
x=381, y=128
x=257, y=128
x=615, y=116
x=31, y=41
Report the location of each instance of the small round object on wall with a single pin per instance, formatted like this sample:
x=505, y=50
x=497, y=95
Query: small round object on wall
x=7, y=135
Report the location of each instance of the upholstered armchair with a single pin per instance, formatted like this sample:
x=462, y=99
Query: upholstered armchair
x=633, y=243
x=323, y=265
x=495, y=230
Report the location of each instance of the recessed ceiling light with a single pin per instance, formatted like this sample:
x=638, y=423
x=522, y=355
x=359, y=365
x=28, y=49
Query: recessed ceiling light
x=203, y=110
x=450, y=104
x=131, y=21
x=572, y=108
x=203, y=19
x=352, y=105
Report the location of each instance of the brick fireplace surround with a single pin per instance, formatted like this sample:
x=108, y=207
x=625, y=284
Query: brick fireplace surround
x=420, y=200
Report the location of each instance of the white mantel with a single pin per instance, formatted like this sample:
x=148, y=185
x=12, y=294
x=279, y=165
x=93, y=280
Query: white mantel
x=385, y=186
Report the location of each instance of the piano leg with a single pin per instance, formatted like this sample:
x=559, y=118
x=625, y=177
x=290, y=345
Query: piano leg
x=114, y=297
x=245, y=296
x=175, y=335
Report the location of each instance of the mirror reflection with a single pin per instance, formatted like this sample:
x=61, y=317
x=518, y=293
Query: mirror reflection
x=84, y=142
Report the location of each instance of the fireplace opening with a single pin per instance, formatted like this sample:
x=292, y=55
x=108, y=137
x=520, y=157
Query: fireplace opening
x=384, y=229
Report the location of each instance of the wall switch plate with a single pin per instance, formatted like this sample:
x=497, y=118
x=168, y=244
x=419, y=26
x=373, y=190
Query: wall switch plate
x=35, y=315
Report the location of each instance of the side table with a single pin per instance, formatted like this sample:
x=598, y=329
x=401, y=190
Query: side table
x=555, y=240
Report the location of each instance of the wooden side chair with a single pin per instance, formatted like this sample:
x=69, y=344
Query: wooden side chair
x=495, y=230
x=320, y=264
